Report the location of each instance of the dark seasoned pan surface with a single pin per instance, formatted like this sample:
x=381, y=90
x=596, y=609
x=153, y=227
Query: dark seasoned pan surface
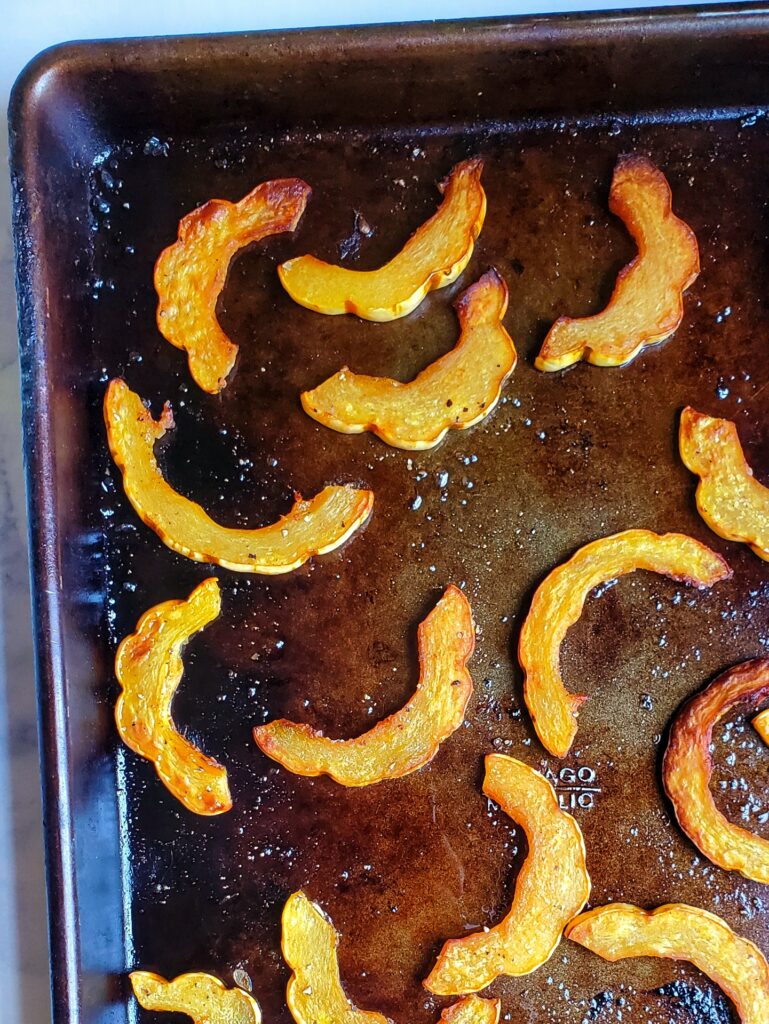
x=565, y=458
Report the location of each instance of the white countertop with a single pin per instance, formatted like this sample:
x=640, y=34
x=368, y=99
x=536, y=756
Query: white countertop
x=29, y=26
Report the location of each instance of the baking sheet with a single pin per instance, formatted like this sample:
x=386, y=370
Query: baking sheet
x=112, y=145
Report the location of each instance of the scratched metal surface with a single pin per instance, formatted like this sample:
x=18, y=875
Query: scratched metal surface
x=565, y=458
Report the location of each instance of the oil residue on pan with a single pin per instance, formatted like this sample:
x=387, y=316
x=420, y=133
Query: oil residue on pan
x=564, y=459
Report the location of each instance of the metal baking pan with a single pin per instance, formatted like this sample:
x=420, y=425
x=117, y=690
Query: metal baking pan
x=111, y=144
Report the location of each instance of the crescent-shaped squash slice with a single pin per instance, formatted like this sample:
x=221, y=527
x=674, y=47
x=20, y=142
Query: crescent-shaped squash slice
x=680, y=932
x=688, y=766
x=190, y=274
x=472, y=1010
x=149, y=668
x=729, y=499
x=552, y=886
x=310, y=528
x=558, y=602
x=409, y=738
x=434, y=256
x=647, y=303
x=314, y=993
x=456, y=391
x=200, y=996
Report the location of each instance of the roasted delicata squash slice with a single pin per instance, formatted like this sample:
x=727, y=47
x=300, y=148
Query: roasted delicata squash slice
x=311, y=527
x=553, y=886
x=688, y=766
x=456, y=391
x=190, y=274
x=409, y=738
x=434, y=256
x=558, y=603
x=472, y=1010
x=200, y=996
x=314, y=993
x=680, y=932
x=729, y=499
x=149, y=668
x=647, y=303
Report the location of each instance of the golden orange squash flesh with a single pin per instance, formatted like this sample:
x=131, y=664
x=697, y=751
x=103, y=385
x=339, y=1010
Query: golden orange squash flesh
x=314, y=993
x=558, y=604
x=761, y=725
x=553, y=886
x=311, y=527
x=409, y=738
x=688, y=765
x=729, y=499
x=647, y=303
x=472, y=1010
x=455, y=392
x=190, y=274
x=201, y=996
x=149, y=668
x=434, y=256
x=680, y=932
